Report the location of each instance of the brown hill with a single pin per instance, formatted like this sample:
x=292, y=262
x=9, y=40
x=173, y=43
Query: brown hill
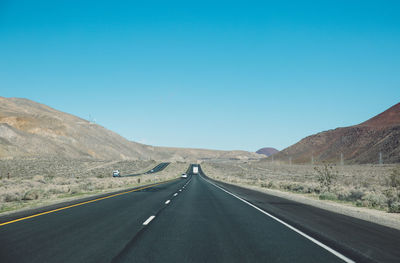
x=388, y=118
x=30, y=129
x=361, y=143
x=268, y=151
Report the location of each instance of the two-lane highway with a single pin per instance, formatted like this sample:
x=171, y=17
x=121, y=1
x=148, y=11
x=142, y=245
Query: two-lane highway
x=209, y=225
x=158, y=168
x=185, y=220
x=92, y=232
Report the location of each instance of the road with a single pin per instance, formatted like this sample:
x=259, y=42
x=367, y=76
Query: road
x=184, y=220
x=156, y=169
x=360, y=240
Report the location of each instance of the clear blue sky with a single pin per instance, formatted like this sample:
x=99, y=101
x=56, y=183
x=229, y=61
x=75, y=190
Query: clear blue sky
x=205, y=74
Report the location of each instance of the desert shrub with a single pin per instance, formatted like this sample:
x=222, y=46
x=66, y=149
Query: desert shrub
x=49, y=177
x=343, y=194
x=309, y=189
x=74, y=190
x=327, y=196
x=87, y=186
x=296, y=188
x=31, y=195
x=12, y=197
x=39, y=178
x=284, y=185
x=362, y=203
x=355, y=195
x=251, y=182
x=326, y=176
x=375, y=199
x=392, y=193
x=394, y=207
x=365, y=184
x=393, y=199
x=394, y=178
x=317, y=189
x=54, y=191
x=61, y=181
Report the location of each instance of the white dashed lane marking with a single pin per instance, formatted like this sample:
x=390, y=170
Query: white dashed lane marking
x=148, y=220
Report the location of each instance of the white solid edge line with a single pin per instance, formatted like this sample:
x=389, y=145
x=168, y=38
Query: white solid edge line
x=331, y=250
x=167, y=202
x=148, y=220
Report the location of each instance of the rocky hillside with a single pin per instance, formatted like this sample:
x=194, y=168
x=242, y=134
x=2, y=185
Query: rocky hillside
x=268, y=151
x=30, y=129
x=361, y=143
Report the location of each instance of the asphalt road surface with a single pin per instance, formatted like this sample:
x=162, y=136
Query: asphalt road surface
x=156, y=169
x=360, y=240
x=184, y=220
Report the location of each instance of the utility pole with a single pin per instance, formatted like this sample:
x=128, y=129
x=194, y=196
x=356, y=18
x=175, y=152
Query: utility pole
x=312, y=159
x=290, y=160
x=341, y=159
x=91, y=120
x=380, y=158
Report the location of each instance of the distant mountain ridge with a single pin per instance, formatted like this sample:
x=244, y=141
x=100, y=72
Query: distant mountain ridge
x=267, y=151
x=360, y=143
x=30, y=129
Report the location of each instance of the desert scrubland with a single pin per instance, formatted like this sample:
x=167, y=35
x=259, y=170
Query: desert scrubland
x=29, y=182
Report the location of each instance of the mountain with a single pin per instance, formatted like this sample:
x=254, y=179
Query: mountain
x=268, y=151
x=30, y=129
x=360, y=143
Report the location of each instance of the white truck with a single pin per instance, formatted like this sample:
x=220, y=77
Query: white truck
x=195, y=169
x=116, y=173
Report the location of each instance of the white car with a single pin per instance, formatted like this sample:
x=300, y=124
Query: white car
x=116, y=173
x=184, y=176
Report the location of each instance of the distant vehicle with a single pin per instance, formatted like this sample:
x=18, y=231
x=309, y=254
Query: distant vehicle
x=151, y=170
x=116, y=173
x=184, y=176
x=195, y=169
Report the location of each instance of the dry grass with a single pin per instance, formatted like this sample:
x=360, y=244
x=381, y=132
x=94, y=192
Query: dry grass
x=359, y=185
x=37, y=182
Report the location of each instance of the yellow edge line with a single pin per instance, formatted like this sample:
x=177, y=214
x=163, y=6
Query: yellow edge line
x=83, y=203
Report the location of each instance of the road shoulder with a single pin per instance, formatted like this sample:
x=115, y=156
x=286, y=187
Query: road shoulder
x=383, y=218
